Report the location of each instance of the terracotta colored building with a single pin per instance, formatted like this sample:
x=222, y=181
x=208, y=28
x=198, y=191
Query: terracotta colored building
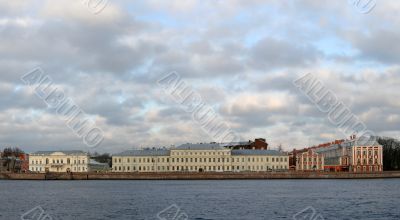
x=353, y=155
x=310, y=161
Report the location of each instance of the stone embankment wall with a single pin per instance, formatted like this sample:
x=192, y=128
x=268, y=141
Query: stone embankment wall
x=195, y=176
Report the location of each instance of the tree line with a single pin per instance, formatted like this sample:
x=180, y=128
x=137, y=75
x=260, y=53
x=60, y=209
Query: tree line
x=391, y=153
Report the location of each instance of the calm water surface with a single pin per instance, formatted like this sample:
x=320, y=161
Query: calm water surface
x=202, y=200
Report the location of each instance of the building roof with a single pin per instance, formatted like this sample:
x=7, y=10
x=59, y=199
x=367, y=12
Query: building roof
x=212, y=146
x=258, y=152
x=362, y=142
x=68, y=152
x=145, y=152
x=243, y=143
x=349, y=143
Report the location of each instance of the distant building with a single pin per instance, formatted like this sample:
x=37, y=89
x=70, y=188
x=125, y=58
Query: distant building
x=59, y=161
x=13, y=164
x=199, y=158
x=353, y=155
x=95, y=166
x=257, y=144
x=310, y=161
x=24, y=158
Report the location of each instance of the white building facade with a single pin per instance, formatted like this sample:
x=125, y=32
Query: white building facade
x=200, y=158
x=59, y=161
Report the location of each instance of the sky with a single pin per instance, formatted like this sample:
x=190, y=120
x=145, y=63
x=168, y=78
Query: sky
x=240, y=57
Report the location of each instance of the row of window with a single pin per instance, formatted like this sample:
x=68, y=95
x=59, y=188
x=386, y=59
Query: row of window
x=370, y=161
x=58, y=161
x=200, y=153
x=39, y=169
x=364, y=152
x=314, y=167
x=201, y=160
x=311, y=159
x=365, y=168
x=199, y=168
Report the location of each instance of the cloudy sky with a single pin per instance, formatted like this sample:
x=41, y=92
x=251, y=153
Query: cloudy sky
x=240, y=56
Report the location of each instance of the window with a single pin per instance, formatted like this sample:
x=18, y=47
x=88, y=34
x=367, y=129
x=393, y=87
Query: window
x=68, y=161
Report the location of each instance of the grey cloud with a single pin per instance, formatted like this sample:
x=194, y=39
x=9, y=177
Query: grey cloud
x=270, y=53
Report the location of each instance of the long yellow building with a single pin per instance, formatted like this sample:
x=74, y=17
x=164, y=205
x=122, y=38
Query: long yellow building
x=200, y=158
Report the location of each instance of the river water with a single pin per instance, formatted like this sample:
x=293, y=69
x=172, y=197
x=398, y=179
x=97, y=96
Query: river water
x=201, y=200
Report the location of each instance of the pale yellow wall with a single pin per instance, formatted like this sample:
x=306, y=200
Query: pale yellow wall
x=77, y=163
x=194, y=160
